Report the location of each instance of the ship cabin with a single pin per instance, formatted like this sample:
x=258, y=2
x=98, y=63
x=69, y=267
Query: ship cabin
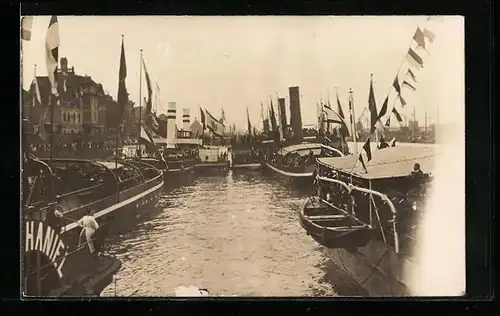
x=385, y=199
x=301, y=158
x=80, y=185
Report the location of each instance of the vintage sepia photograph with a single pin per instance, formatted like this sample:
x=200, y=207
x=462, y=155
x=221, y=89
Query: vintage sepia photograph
x=242, y=156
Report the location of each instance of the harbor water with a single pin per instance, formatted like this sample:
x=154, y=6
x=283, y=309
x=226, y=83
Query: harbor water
x=235, y=234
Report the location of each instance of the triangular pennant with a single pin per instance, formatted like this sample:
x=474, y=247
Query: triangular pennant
x=396, y=85
x=419, y=38
x=360, y=158
x=429, y=35
x=409, y=85
x=412, y=75
x=397, y=115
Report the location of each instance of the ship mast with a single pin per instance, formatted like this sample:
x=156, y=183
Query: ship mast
x=353, y=125
x=425, y=126
x=140, y=105
x=414, y=127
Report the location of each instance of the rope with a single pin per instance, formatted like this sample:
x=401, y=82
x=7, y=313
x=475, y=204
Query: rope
x=371, y=273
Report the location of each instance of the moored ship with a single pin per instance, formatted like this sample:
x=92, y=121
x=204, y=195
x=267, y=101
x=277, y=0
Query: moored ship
x=298, y=162
x=55, y=263
x=107, y=188
x=367, y=220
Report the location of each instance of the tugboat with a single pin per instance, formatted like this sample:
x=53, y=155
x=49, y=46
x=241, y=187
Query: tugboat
x=298, y=162
x=367, y=220
x=54, y=263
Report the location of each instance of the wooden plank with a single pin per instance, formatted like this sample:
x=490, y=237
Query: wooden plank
x=325, y=217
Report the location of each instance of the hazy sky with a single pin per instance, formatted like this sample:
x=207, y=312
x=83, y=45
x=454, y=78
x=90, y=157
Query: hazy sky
x=236, y=62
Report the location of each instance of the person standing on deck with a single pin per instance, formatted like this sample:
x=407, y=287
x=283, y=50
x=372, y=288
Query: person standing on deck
x=89, y=226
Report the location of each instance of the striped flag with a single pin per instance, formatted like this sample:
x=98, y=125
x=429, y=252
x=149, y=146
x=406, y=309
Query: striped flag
x=409, y=85
x=52, y=51
x=26, y=24
x=415, y=60
x=412, y=75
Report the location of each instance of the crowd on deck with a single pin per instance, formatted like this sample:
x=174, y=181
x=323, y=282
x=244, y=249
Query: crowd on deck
x=100, y=149
x=247, y=156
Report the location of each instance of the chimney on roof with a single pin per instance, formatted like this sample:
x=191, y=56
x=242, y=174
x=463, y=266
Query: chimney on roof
x=64, y=64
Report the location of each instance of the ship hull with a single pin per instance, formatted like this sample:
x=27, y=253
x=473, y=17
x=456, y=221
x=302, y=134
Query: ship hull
x=301, y=179
x=212, y=168
x=376, y=268
x=246, y=167
x=116, y=209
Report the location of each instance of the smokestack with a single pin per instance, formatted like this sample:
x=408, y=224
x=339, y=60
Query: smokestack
x=295, y=114
x=186, y=120
x=283, y=121
x=171, y=117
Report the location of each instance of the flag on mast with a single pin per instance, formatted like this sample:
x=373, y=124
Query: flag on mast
x=249, y=125
x=37, y=90
x=372, y=107
x=52, y=52
x=150, y=119
x=122, y=98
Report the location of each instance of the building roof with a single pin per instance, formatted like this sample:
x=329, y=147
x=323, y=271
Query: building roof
x=71, y=90
x=386, y=163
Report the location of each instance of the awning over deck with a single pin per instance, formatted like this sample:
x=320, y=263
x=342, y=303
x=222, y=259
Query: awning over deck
x=386, y=163
x=300, y=147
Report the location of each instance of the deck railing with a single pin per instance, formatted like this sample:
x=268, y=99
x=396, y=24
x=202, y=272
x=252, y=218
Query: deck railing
x=350, y=187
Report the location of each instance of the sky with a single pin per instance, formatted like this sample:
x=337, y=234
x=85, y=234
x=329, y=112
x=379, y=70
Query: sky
x=239, y=62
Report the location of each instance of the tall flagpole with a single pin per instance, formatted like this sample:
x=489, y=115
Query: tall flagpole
x=118, y=123
x=140, y=106
x=51, y=139
x=353, y=126
x=34, y=97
